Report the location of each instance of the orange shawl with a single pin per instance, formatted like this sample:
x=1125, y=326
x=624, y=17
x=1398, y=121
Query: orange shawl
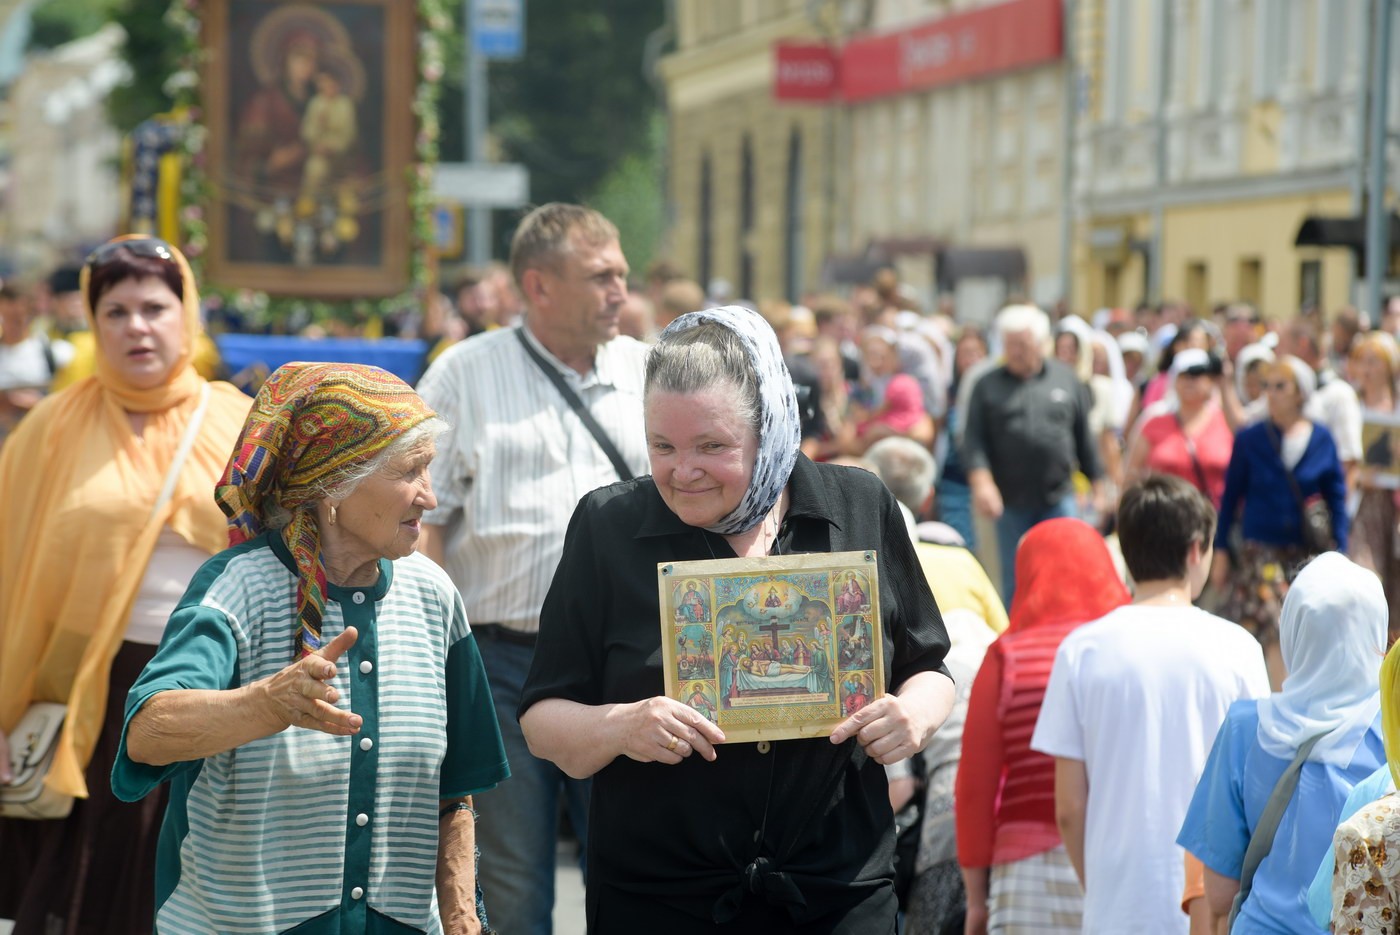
x=77, y=489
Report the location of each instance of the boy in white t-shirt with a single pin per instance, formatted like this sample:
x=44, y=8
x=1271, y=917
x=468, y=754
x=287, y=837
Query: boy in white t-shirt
x=1132, y=708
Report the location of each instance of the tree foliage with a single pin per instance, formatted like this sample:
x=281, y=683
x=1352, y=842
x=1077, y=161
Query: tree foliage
x=151, y=52
x=55, y=22
x=630, y=195
x=578, y=103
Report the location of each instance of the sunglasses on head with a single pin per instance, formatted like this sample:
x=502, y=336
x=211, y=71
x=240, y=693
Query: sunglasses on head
x=1199, y=370
x=152, y=248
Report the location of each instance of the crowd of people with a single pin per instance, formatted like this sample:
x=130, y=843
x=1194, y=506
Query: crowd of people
x=347, y=655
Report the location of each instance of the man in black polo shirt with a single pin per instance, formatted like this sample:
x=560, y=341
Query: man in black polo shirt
x=1027, y=432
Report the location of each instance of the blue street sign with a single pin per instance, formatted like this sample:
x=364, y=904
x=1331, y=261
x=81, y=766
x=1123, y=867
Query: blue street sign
x=498, y=28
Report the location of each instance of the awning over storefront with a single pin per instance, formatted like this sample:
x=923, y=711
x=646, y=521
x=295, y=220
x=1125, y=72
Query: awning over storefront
x=958, y=263
x=951, y=264
x=1317, y=231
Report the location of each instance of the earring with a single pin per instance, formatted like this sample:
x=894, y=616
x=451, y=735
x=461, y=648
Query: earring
x=332, y=514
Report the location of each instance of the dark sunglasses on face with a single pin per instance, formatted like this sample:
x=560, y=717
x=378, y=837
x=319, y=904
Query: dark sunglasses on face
x=149, y=247
x=1279, y=385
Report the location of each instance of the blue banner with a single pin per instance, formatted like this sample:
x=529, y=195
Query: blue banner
x=249, y=358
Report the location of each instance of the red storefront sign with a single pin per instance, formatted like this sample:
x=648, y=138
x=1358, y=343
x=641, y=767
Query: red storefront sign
x=805, y=71
x=985, y=41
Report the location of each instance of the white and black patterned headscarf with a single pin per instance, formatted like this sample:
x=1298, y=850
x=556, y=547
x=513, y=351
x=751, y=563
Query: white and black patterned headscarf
x=779, y=428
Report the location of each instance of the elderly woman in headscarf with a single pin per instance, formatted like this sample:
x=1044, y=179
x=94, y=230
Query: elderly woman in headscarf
x=104, y=488
x=792, y=835
x=1279, y=468
x=318, y=700
x=1327, y=718
x=1014, y=864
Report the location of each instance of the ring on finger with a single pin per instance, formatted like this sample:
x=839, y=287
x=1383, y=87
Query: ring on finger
x=671, y=747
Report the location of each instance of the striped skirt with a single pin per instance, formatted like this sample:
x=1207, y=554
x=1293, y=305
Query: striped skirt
x=1039, y=895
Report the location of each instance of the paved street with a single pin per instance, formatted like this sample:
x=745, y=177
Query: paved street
x=568, y=894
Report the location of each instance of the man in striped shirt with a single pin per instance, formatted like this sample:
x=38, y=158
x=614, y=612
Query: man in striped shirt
x=507, y=480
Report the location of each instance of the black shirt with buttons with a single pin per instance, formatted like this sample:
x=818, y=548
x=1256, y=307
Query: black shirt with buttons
x=800, y=828
x=1031, y=434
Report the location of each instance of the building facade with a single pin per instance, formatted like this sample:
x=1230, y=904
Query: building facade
x=960, y=151
x=750, y=180
x=1207, y=133
x=64, y=186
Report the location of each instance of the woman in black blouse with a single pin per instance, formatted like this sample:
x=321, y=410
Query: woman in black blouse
x=687, y=832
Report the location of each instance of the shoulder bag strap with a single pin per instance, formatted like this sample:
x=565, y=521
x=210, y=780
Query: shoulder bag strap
x=1195, y=460
x=1277, y=439
x=1262, y=840
x=183, y=452
x=576, y=404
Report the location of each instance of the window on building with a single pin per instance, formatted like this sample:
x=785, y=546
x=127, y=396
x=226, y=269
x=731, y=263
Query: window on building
x=1112, y=284
x=1196, y=285
x=1214, y=85
x=704, y=262
x=1309, y=283
x=793, y=273
x=1272, y=19
x=746, y=217
x=1118, y=62
x=1247, y=289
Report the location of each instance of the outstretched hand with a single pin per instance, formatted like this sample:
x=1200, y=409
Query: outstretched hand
x=301, y=694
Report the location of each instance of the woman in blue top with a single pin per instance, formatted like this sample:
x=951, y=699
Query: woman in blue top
x=1259, y=494
x=1333, y=635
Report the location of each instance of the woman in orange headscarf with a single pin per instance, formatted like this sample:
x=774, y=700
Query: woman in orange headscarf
x=1014, y=865
x=107, y=493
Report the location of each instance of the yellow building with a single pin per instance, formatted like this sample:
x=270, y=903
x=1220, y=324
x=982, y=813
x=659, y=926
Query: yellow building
x=941, y=130
x=750, y=185
x=1227, y=124
x=1205, y=132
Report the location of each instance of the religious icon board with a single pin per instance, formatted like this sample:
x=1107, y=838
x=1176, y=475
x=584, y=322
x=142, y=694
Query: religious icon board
x=776, y=647
x=309, y=111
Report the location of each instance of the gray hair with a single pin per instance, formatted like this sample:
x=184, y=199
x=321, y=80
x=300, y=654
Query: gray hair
x=343, y=483
x=543, y=237
x=705, y=357
x=1017, y=318
x=906, y=467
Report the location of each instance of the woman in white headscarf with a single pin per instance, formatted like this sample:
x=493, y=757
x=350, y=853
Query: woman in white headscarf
x=1108, y=362
x=1074, y=347
x=1333, y=634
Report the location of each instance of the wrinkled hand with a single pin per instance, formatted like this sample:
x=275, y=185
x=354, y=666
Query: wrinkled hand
x=888, y=729
x=653, y=724
x=6, y=777
x=301, y=696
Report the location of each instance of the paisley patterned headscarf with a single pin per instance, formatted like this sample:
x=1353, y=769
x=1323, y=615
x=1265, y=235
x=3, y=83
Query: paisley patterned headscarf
x=310, y=421
x=779, y=428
